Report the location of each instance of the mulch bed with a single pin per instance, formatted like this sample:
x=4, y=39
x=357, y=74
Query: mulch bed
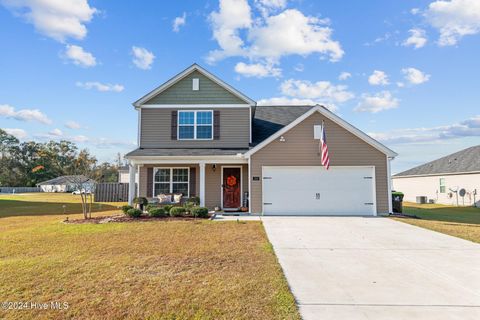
x=123, y=218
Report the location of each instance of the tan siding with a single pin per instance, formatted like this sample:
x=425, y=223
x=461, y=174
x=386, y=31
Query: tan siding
x=300, y=149
x=182, y=93
x=234, y=130
x=213, y=183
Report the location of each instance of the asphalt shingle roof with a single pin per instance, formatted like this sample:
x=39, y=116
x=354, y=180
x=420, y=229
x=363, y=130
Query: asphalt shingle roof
x=270, y=119
x=184, y=152
x=66, y=180
x=467, y=160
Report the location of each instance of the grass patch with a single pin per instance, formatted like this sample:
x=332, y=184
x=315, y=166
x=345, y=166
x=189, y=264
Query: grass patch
x=155, y=270
x=462, y=222
x=34, y=204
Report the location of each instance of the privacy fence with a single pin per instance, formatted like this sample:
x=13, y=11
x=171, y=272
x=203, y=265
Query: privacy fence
x=111, y=192
x=19, y=189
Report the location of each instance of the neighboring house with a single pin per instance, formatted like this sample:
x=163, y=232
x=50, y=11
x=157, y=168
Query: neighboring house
x=454, y=179
x=67, y=184
x=124, y=175
x=201, y=137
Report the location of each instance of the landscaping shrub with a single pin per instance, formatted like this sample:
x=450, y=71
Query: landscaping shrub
x=150, y=207
x=157, y=212
x=177, y=211
x=140, y=200
x=134, y=213
x=167, y=208
x=200, y=212
x=126, y=208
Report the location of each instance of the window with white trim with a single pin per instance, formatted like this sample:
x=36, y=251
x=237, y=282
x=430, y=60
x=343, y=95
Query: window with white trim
x=443, y=188
x=195, y=125
x=171, y=180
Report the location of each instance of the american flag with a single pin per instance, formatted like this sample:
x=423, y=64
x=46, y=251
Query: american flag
x=324, y=149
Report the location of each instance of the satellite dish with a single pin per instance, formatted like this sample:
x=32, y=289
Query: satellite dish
x=462, y=192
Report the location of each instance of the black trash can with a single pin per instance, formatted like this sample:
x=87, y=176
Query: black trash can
x=397, y=201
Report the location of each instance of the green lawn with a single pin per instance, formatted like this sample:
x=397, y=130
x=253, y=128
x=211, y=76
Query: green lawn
x=155, y=270
x=462, y=222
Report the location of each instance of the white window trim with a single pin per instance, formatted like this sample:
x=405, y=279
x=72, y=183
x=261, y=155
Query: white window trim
x=195, y=125
x=171, y=182
x=440, y=185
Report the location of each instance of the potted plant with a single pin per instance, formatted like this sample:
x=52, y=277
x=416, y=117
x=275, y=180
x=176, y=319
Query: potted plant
x=140, y=202
x=244, y=209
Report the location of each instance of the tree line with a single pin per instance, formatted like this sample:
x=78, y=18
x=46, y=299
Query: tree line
x=28, y=163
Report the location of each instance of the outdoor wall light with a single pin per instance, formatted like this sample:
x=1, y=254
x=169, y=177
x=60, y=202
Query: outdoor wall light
x=214, y=167
x=282, y=139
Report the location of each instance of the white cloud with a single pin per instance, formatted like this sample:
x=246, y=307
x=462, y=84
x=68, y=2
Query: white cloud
x=344, y=76
x=18, y=133
x=8, y=111
x=142, y=58
x=179, y=22
x=400, y=84
x=415, y=11
x=257, y=70
x=417, y=38
x=72, y=125
x=378, y=78
x=79, y=56
x=454, y=19
x=269, y=37
x=378, y=102
x=80, y=139
x=56, y=132
x=415, y=76
x=286, y=101
x=57, y=19
x=102, y=87
x=267, y=7
x=299, y=67
x=466, y=128
x=323, y=90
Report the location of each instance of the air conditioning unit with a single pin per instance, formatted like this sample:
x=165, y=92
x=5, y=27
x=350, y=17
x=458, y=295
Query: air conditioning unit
x=421, y=199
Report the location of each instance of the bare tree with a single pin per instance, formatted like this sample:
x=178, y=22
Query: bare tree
x=86, y=188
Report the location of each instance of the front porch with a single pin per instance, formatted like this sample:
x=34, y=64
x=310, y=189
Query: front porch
x=221, y=183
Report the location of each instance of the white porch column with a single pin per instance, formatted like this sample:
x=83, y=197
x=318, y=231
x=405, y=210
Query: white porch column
x=389, y=185
x=202, y=184
x=132, y=168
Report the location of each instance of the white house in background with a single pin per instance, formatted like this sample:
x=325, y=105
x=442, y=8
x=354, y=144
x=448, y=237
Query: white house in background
x=124, y=176
x=66, y=184
x=452, y=180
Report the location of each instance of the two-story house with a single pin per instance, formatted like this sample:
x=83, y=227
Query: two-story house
x=201, y=137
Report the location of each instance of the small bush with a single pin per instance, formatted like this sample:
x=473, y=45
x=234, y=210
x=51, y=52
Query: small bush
x=126, y=208
x=194, y=200
x=177, y=211
x=200, y=212
x=150, y=207
x=157, y=212
x=134, y=213
x=167, y=208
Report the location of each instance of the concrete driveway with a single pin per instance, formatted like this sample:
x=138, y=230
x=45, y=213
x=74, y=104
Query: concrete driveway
x=376, y=268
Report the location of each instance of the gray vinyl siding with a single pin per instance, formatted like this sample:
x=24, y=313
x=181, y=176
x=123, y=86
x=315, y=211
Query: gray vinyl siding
x=300, y=149
x=182, y=93
x=156, y=129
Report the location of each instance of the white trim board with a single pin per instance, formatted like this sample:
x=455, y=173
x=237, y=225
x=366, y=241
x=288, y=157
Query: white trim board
x=328, y=114
x=190, y=106
x=183, y=74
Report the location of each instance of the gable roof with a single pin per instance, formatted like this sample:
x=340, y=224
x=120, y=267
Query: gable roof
x=66, y=180
x=184, y=73
x=464, y=161
x=333, y=117
x=269, y=119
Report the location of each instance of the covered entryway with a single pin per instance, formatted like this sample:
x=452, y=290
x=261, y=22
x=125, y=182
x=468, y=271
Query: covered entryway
x=312, y=190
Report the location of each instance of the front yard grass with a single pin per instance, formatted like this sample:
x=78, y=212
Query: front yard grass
x=462, y=222
x=154, y=270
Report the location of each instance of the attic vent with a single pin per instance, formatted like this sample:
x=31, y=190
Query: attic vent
x=195, y=84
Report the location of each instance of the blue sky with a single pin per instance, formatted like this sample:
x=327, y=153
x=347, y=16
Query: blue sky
x=71, y=69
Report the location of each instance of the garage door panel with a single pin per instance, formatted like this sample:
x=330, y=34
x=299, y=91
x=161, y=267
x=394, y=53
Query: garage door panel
x=316, y=191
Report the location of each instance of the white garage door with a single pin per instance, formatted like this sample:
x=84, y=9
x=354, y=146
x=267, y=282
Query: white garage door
x=316, y=191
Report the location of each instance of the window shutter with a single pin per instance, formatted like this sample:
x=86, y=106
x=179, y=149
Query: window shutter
x=174, y=125
x=150, y=182
x=193, y=182
x=216, y=125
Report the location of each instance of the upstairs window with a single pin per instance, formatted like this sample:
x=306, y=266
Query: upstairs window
x=195, y=125
x=442, y=185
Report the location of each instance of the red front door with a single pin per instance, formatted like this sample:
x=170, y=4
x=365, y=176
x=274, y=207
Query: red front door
x=231, y=188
